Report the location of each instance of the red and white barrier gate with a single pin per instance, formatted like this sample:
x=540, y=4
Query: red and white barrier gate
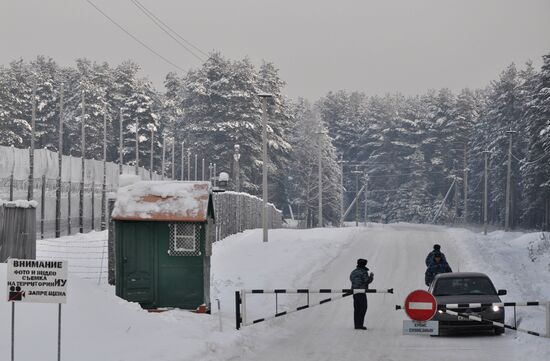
x=240, y=301
x=448, y=309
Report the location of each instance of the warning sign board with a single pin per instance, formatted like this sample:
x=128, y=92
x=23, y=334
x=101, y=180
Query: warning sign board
x=420, y=327
x=420, y=305
x=38, y=281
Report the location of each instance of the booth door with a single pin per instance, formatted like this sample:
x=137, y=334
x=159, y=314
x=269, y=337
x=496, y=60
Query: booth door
x=138, y=252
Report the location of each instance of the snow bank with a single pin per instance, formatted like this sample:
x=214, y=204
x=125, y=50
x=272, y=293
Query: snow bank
x=517, y=262
x=97, y=325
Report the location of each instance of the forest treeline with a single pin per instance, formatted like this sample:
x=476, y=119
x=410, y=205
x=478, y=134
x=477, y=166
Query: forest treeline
x=412, y=148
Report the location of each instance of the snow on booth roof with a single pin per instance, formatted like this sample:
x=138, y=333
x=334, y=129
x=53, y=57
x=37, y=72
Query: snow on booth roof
x=163, y=201
x=18, y=203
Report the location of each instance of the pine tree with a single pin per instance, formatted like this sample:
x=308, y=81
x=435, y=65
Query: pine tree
x=535, y=169
x=15, y=104
x=504, y=109
x=280, y=121
x=308, y=133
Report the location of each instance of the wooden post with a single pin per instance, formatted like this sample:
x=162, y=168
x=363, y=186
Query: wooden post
x=151, y=161
x=111, y=244
x=466, y=182
x=546, y=215
x=59, y=168
x=137, y=147
x=69, y=207
x=30, y=191
x=173, y=159
x=104, y=185
x=42, y=206
x=93, y=206
x=163, y=156
x=121, y=144
x=82, y=170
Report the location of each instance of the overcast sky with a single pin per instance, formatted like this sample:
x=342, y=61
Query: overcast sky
x=372, y=46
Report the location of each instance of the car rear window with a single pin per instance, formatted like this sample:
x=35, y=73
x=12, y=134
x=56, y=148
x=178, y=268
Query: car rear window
x=464, y=286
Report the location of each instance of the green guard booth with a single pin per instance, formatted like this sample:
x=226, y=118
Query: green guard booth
x=163, y=243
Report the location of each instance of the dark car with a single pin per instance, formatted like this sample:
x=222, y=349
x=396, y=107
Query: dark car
x=467, y=287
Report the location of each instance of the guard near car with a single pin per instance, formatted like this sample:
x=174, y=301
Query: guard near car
x=436, y=267
x=430, y=256
x=360, y=279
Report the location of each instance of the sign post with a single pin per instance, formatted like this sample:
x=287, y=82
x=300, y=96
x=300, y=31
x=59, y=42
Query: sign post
x=420, y=306
x=36, y=281
x=12, y=329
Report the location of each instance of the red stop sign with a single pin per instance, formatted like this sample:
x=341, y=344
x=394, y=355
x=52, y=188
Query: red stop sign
x=420, y=305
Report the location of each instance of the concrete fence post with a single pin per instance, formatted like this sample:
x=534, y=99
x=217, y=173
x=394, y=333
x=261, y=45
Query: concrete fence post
x=42, y=206
x=93, y=206
x=111, y=259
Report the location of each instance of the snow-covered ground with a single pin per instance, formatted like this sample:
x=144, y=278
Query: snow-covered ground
x=99, y=326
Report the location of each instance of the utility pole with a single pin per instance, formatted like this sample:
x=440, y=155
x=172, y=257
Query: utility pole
x=173, y=159
x=546, y=215
x=121, y=144
x=508, y=182
x=188, y=164
x=210, y=166
x=137, y=147
x=215, y=175
x=357, y=172
x=366, y=192
x=485, y=208
x=466, y=182
x=182, y=155
x=152, y=153
x=30, y=192
x=163, y=156
x=342, y=188
x=456, y=200
x=202, y=169
x=196, y=169
x=453, y=184
x=320, y=179
x=264, y=97
x=83, y=154
x=104, y=186
x=236, y=168
x=59, y=168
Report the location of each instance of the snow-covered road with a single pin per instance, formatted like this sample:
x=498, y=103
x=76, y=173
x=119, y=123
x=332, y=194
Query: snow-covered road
x=97, y=325
x=396, y=256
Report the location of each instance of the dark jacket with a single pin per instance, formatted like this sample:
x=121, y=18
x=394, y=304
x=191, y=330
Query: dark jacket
x=360, y=278
x=434, y=269
x=430, y=257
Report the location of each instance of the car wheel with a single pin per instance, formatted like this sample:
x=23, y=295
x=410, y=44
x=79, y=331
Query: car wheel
x=499, y=331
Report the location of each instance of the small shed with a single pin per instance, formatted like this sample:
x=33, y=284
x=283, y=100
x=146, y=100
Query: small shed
x=17, y=229
x=163, y=243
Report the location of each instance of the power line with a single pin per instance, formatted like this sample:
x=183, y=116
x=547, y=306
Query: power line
x=531, y=162
x=161, y=25
x=134, y=37
x=172, y=30
x=404, y=174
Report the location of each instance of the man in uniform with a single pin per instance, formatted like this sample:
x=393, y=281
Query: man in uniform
x=360, y=279
x=430, y=256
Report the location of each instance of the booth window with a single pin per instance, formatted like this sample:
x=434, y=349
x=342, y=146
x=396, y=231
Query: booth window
x=183, y=240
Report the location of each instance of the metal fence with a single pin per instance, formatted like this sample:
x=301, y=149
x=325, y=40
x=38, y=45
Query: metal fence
x=236, y=212
x=74, y=216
